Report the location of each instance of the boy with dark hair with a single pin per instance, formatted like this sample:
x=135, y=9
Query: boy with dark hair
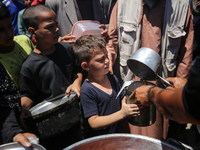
x=13, y=51
x=50, y=70
x=99, y=90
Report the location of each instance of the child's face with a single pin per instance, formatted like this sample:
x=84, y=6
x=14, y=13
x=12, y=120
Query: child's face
x=28, y=2
x=6, y=32
x=48, y=31
x=99, y=64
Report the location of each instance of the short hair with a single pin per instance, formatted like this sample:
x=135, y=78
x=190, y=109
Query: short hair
x=4, y=12
x=86, y=47
x=30, y=15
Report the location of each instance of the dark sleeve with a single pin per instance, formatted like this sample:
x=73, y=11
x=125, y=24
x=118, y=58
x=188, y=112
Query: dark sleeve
x=27, y=85
x=9, y=126
x=191, y=91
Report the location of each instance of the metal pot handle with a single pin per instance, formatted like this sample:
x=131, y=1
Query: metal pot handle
x=178, y=144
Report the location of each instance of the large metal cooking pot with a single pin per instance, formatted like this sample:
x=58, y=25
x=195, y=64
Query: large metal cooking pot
x=121, y=142
x=18, y=146
x=51, y=118
x=148, y=117
x=145, y=63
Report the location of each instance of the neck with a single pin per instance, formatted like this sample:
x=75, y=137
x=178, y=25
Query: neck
x=44, y=50
x=7, y=49
x=97, y=79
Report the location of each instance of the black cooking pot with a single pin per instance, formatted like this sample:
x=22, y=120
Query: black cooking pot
x=58, y=117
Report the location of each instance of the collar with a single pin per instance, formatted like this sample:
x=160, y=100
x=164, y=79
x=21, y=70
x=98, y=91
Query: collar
x=150, y=3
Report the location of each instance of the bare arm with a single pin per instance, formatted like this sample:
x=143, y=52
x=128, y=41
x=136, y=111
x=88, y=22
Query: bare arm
x=112, y=40
x=170, y=103
x=99, y=122
x=186, y=49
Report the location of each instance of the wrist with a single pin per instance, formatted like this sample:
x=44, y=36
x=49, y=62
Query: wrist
x=149, y=94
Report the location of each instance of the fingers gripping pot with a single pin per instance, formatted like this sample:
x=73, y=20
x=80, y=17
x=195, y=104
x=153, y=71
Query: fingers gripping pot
x=148, y=116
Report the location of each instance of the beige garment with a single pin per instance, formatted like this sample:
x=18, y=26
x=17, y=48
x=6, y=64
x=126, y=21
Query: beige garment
x=152, y=21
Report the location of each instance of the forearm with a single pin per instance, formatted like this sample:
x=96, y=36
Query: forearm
x=99, y=122
x=112, y=40
x=170, y=104
x=26, y=103
x=78, y=79
x=186, y=49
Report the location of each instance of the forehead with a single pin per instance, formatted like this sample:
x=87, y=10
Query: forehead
x=46, y=16
x=99, y=51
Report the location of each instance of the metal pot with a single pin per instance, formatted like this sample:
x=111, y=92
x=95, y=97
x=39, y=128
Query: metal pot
x=145, y=63
x=18, y=146
x=148, y=117
x=121, y=142
x=51, y=118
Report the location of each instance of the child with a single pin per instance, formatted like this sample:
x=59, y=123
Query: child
x=99, y=90
x=51, y=69
x=21, y=28
x=12, y=54
x=13, y=49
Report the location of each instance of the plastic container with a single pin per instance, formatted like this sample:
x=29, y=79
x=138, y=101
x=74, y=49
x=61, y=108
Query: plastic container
x=86, y=27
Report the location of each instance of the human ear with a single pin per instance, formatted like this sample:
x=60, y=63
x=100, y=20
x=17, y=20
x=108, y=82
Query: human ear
x=84, y=65
x=31, y=30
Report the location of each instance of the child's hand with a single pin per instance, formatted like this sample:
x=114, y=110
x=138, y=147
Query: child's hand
x=130, y=109
x=73, y=87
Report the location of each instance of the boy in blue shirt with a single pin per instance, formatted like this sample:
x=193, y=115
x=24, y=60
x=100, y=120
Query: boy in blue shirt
x=102, y=110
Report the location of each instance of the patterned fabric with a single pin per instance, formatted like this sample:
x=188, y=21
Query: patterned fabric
x=9, y=96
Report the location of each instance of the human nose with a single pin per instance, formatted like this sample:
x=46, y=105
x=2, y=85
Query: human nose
x=107, y=61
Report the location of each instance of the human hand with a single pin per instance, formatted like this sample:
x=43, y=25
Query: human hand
x=69, y=38
x=104, y=33
x=177, y=82
x=130, y=109
x=141, y=95
x=22, y=138
x=75, y=88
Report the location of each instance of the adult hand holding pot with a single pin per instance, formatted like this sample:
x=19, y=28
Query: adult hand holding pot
x=142, y=94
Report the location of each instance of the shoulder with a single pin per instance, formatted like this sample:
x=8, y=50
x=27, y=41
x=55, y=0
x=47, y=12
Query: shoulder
x=112, y=77
x=64, y=45
x=21, y=12
x=21, y=38
x=52, y=3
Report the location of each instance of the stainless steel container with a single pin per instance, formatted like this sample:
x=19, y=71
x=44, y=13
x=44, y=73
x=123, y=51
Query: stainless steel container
x=145, y=63
x=148, y=117
x=121, y=142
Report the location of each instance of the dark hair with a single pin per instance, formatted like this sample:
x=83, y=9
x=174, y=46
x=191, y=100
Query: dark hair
x=86, y=47
x=4, y=12
x=30, y=15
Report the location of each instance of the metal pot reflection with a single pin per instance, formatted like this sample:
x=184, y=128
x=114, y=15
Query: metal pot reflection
x=148, y=117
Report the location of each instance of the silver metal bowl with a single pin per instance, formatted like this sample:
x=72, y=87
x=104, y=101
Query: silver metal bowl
x=18, y=146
